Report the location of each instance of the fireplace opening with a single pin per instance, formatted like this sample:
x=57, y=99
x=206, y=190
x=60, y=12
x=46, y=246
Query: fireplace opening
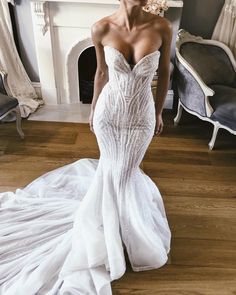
x=87, y=65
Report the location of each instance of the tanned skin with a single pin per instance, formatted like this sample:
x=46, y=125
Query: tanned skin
x=135, y=33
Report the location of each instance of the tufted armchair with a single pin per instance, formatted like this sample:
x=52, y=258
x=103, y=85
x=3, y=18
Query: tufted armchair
x=206, y=82
x=8, y=103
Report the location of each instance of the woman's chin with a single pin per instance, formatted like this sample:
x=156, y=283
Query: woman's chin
x=142, y=2
x=138, y=2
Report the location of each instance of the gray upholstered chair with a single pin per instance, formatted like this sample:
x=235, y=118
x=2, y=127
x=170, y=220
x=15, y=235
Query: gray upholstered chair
x=206, y=81
x=8, y=103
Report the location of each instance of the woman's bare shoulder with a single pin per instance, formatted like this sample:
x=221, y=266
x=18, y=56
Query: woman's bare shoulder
x=100, y=28
x=163, y=24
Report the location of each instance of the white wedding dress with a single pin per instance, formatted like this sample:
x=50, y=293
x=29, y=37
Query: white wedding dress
x=65, y=232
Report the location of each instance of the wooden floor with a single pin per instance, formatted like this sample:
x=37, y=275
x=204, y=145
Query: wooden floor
x=198, y=188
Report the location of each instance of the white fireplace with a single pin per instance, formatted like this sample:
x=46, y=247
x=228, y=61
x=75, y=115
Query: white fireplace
x=62, y=31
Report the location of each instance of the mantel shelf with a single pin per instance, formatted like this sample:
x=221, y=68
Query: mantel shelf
x=171, y=3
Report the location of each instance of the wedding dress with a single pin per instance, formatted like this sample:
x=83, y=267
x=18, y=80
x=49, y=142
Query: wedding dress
x=65, y=232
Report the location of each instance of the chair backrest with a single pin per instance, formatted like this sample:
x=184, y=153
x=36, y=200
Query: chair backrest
x=210, y=61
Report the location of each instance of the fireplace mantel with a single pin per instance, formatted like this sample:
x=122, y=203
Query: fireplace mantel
x=171, y=3
x=62, y=31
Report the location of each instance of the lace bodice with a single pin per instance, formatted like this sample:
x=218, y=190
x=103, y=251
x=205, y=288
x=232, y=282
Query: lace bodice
x=129, y=81
x=145, y=67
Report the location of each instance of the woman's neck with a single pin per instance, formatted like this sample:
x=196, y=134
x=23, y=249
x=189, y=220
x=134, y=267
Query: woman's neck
x=129, y=15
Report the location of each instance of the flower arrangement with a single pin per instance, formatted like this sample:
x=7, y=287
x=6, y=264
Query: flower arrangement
x=156, y=6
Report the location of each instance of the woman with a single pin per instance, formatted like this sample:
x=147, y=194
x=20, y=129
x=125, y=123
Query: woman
x=132, y=29
x=66, y=232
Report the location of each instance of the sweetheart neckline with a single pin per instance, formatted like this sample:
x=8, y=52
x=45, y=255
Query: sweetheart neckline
x=125, y=60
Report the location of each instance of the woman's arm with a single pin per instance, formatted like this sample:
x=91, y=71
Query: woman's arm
x=98, y=30
x=163, y=73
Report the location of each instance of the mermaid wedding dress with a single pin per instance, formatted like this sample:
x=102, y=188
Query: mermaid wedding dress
x=65, y=232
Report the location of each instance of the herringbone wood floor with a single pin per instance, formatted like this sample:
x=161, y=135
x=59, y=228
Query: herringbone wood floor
x=198, y=188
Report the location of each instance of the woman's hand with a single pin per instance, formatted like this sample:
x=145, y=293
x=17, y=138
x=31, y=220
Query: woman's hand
x=91, y=120
x=159, y=125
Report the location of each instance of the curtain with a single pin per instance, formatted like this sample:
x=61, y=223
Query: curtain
x=18, y=81
x=225, y=29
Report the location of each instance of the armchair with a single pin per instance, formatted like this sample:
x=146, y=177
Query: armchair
x=206, y=82
x=8, y=103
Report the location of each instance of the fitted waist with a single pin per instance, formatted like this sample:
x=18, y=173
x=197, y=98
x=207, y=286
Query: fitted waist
x=129, y=88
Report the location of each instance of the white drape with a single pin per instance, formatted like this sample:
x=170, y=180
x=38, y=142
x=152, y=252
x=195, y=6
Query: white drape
x=18, y=81
x=225, y=29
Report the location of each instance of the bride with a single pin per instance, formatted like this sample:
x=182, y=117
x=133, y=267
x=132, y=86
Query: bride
x=66, y=232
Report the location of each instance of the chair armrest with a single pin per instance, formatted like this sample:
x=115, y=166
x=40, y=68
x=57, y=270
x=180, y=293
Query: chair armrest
x=195, y=97
x=4, y=89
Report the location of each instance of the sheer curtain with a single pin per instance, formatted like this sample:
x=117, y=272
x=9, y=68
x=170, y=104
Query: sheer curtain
x=18, y=81
x=225, y=29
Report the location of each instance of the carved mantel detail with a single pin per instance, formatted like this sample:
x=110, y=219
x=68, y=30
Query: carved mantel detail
x=40, y=10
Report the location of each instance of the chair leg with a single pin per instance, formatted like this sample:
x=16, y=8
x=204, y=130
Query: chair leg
x=18, y=122
x=179, y=114
x=213, y=138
